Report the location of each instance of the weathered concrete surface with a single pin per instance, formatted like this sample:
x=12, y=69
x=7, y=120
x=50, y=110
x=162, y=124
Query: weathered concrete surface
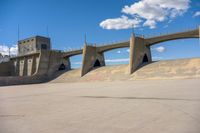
x=14, y=80
x=138, y=52
x=90, y=56
x=180, y=35
x=166, y=106
x=5, y=68
x=106, y=73
x=169, y=69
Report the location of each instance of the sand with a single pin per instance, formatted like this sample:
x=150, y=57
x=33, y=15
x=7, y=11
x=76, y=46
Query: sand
x=154, y=106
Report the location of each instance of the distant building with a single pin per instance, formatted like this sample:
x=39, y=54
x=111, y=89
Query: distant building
x=33, y=44
x=4, y=58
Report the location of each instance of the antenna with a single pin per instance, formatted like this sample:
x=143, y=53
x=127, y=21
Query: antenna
x=199, y=35
x=47, y=30
x=18, y=33
x=132, y=27
x=85, y=39
x=9, y=51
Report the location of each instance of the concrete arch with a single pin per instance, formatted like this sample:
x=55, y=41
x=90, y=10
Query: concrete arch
x=106, y=48
x=175, y=36
x=145, y=59
x=97, y=63
x=72, y=53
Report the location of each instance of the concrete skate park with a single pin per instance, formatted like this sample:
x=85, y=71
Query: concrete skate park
x=47, y=96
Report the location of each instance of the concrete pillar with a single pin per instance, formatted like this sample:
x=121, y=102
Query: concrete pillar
x=67, y=63
x=21, y=67
x=25, y=71
x=90, y=57
x=34, y=65
x=131, y=54
x=29, y=66
x=15, y=71
x=140, y=54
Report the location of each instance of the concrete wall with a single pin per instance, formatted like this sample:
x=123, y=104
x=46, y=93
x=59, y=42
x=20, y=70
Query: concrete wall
x=55, y=60
x=33, y=68
x=5, y=68
x=43, y=62
x=138, y=49
x=33, y=44
x=25, y=65
x=27, y=46
x=19, y=80
x=90, y=55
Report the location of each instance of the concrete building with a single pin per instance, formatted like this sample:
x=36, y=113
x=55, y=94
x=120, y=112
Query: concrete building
x=33, y=44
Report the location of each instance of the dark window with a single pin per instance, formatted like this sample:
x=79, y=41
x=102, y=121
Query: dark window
x=97, y=63
x=43, y=46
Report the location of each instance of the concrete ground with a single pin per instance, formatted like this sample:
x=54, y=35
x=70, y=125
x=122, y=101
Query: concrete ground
x=154, y=106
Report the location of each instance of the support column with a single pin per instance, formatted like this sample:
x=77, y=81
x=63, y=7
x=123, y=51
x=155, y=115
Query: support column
x=34, y=65
x=25, y=71
x=16, y=67
x=91, y=59
x=67, y=63
x=140, y=54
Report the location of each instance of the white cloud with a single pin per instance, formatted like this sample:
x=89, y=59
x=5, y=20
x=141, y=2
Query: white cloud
x=14, y=50
x=156, y=58
x=196, y=14
x=119, y=52
x=160, y=49
x=117, y=60
x=120, y=23
x=148, y=12
x=166, y=26
x=4, y=50
x=77, y=63
x=128, y=50
x=150, y=23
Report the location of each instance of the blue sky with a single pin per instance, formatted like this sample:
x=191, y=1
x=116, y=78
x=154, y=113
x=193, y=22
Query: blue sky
x=103, y=21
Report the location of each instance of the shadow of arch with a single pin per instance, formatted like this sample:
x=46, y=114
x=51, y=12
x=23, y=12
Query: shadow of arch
x=62, y=67
x=145, y=59
x=97, y=64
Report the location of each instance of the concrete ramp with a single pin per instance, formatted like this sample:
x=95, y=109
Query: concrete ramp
x=170, y=69
x=106, y=73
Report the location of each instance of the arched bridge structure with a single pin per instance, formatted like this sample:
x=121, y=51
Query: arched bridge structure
x=66, y=64
x=174, y=36
x=105, y=48
x=140, y=53
x=93, y=55
x=68, y=54
x=49, y=61
x=140, y=47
